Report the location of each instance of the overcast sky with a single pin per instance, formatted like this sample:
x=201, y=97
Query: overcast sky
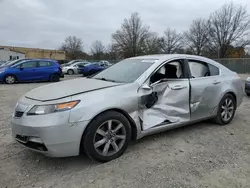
x=46, y=23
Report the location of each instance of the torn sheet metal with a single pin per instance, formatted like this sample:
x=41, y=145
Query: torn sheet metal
x=172, y=105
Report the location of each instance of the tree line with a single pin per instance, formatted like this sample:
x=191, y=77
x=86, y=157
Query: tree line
x=225, y=33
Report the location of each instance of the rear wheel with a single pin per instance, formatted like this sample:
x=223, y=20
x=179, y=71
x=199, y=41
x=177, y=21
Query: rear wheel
x=55, y=78
x=226, y=110
x=70, y=72
x=10, y=79
x=107, y=136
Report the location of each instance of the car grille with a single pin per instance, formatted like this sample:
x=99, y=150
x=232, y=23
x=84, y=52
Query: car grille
x=18, y=114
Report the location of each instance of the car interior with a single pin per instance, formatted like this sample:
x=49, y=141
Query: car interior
x=172, y=70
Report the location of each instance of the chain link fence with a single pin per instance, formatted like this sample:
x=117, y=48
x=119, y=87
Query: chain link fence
x=239, y=65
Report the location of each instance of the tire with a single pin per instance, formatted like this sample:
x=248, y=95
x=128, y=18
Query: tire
x=55, y=78
x=10, y=79
x=70, y=72
x=98, y=136
x=230, y=109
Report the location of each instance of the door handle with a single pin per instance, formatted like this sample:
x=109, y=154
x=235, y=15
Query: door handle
x=178, y=87
x=216, y=82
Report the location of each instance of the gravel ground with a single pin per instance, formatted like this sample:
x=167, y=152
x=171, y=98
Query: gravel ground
x=199, y=155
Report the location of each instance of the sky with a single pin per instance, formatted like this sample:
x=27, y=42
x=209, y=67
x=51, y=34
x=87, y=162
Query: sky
x=46, y=23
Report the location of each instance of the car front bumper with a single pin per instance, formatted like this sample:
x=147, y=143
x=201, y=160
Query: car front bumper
x=54, y=137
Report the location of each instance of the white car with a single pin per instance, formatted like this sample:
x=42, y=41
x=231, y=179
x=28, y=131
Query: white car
x=72, y=68
x=104, y=63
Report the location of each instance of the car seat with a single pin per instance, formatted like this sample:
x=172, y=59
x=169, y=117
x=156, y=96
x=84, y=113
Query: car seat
x=170, y=71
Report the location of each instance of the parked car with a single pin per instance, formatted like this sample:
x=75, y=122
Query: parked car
x=31, y=70
x=136, y=97
x=104, y=63
x=247, y=86
x=90, y=69
x=72, y=62
x=12, y=62
x=2, y=62
x=73, y=68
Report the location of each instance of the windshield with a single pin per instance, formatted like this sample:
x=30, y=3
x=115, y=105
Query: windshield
x=125, y=71
x=7, y=63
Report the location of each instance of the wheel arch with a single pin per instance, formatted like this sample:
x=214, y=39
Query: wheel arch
x=234, y=96
x=70, y=69
x=231, y=93
x=131, y=121
x=10, y=74
x=55, y=73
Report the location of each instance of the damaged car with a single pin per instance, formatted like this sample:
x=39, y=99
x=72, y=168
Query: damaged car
x=134, y=98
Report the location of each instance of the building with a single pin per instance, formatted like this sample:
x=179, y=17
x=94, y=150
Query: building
x=38, y=53
x=8, y=54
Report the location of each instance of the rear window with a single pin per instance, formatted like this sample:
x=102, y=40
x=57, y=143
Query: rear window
x=213, y=70
x=45, y=63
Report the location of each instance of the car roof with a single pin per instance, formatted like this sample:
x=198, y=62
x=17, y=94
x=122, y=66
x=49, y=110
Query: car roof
x=51, y=60
x=166, y=57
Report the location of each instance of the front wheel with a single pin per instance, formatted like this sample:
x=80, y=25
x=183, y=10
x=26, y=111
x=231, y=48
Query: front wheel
x=10, y=79
x=226, y=110
x=107, y=136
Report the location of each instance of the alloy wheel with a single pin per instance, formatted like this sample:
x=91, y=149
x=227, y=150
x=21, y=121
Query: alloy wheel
x=109, y=138
x=10, y=79
x=70, y=72
x=227, y=109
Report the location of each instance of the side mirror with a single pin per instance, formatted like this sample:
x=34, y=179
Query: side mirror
x=145, y=89
x=248, y=79
x=21, y=68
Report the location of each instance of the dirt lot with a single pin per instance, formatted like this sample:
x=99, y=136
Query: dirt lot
x=200, y=155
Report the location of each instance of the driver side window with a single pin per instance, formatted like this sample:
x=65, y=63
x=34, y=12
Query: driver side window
x=170, y=70
x=30, y=64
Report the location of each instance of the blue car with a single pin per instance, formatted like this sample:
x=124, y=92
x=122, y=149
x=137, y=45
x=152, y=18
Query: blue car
x=31, y=70
x=90, y=69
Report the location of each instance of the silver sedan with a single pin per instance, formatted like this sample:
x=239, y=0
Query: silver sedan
x=72, y=68
x=129, y=100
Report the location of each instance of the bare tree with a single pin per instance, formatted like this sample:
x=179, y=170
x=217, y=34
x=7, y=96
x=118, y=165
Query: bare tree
x=97, y=50
x=152, y=45
x=73, y=47
x=171, y=41
x=131, y=38
x=228, y=26
x=196, y=38
x=113, y=52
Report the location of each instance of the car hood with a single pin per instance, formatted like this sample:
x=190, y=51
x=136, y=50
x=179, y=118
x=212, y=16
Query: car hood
x=67, y=88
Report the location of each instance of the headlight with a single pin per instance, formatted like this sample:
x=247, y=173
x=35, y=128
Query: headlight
x=47, y=109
